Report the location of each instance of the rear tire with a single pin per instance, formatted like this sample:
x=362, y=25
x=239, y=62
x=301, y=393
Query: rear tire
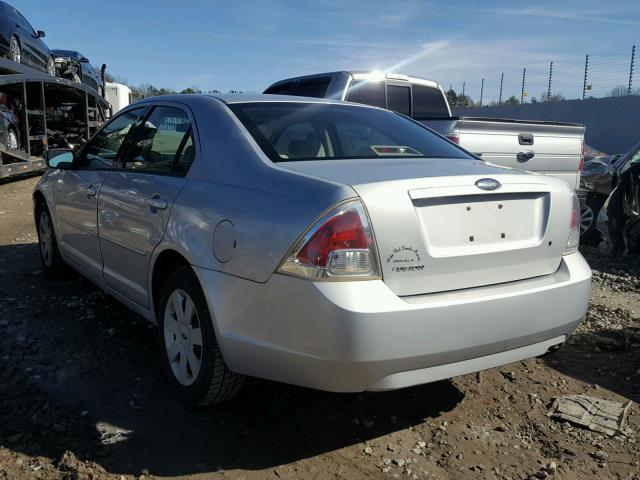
x=15, y=51
x=11, y=141
x=589, y=234
x=52, y=262
x=190, y=355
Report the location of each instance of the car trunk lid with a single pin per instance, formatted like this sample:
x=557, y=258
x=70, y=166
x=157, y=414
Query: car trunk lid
x=436, y=230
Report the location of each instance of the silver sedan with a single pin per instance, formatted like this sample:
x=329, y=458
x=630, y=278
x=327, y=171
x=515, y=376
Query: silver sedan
x=315, y=242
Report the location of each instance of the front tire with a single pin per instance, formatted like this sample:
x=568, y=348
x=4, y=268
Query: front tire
x=52, y=262
x=51, y=67
x=190, y=355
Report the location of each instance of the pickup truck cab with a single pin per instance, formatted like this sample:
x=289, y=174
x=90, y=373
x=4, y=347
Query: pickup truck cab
x=550, y=148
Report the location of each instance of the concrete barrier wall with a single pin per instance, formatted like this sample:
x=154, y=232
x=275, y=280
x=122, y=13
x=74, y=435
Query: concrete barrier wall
x=613, y=124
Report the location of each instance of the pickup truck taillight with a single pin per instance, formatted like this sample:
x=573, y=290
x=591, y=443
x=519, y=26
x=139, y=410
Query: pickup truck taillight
x=581, y=157
x=339, y=246
x=454, y=138
x=574, y=226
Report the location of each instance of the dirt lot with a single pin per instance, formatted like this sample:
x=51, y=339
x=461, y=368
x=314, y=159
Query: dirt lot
x=81, y=397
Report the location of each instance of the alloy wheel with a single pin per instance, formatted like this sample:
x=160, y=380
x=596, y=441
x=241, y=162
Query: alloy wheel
x=14, y=50
x=586, y=218
x=12, y=140
x=183, y=337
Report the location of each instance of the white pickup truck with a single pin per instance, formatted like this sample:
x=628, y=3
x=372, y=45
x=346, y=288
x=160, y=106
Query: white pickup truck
x=544, y=147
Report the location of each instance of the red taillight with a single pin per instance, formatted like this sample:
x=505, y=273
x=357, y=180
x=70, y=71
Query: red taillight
x=573, y=239
x=342, y=232
x=454, y=138
x=339, y=246
x=581, y=157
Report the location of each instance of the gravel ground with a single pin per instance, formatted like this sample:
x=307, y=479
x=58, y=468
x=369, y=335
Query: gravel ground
x=81, y=397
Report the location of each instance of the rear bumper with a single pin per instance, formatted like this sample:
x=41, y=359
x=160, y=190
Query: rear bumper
x=355, y=336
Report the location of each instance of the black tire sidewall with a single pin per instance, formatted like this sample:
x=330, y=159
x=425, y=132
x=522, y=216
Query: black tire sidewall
x=185, y=279
x=56, y=260
x=592, y=234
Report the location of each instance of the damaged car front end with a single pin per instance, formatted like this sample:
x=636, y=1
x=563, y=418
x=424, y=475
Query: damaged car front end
x=75, y=66
x=618, y=222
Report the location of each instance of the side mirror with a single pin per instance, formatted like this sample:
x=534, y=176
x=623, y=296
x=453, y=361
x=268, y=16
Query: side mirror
x=84, y=60
x=61, y=158
x=40, y=34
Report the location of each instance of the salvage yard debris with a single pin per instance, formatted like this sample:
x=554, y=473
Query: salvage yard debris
x=596, y=414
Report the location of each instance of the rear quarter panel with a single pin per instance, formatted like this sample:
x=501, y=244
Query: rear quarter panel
x=232, y=180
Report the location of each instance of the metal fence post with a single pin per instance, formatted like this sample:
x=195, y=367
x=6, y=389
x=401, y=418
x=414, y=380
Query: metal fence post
x=633, y=57
x=584, y=83
x=501, y=84
x=524, y=75
x=550, y=75
x=481, y=91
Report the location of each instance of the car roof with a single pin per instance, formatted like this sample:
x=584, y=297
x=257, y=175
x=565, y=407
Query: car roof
x=67, y=53
x=236, y=98
x=361, y=74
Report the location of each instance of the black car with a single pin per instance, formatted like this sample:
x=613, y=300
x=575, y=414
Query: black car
x=597, y=181
x=21, y=43
x=619, y=222
x=75, y=66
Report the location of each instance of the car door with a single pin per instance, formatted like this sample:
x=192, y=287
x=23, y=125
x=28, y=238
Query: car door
x=77, y=190
x=135, y=201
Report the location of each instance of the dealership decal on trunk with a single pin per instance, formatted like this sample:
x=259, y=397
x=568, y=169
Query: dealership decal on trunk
x=404, y=259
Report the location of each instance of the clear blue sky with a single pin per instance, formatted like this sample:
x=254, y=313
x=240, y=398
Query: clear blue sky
x=247, y=45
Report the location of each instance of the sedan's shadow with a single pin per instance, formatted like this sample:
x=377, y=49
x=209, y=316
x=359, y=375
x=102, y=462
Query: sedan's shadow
x=79, y=372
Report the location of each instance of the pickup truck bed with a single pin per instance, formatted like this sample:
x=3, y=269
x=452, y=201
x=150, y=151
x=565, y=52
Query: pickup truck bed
x=544, y=147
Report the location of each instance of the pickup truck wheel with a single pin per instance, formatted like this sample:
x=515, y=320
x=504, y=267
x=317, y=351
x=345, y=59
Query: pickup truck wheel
x=190, y=355
x=15, y=52
x=52, y=262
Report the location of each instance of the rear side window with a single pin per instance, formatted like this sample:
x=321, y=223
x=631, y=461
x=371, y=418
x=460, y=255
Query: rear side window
x=428, y=102
x=399, y=99
x=280, y=89
x=288, y=131
x=313, y=87
x=158, y=144
x=367, y=92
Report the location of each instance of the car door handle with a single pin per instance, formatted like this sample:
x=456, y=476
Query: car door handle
x=91, y=192
x=156, y=203
x=525, y=156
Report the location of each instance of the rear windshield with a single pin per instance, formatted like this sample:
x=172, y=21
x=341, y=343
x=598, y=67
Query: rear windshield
x=315, y=131
x=428, y=102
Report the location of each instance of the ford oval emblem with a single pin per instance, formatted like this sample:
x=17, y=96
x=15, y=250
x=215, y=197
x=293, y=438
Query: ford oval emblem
x=488, y=184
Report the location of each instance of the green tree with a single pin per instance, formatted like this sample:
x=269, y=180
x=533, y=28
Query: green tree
x=512, y=101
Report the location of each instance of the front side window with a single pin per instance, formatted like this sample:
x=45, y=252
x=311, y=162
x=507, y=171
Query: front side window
x=26, y=24
x=367, y=92
x=102, y=151
x=318, y=131
x=158, y=143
